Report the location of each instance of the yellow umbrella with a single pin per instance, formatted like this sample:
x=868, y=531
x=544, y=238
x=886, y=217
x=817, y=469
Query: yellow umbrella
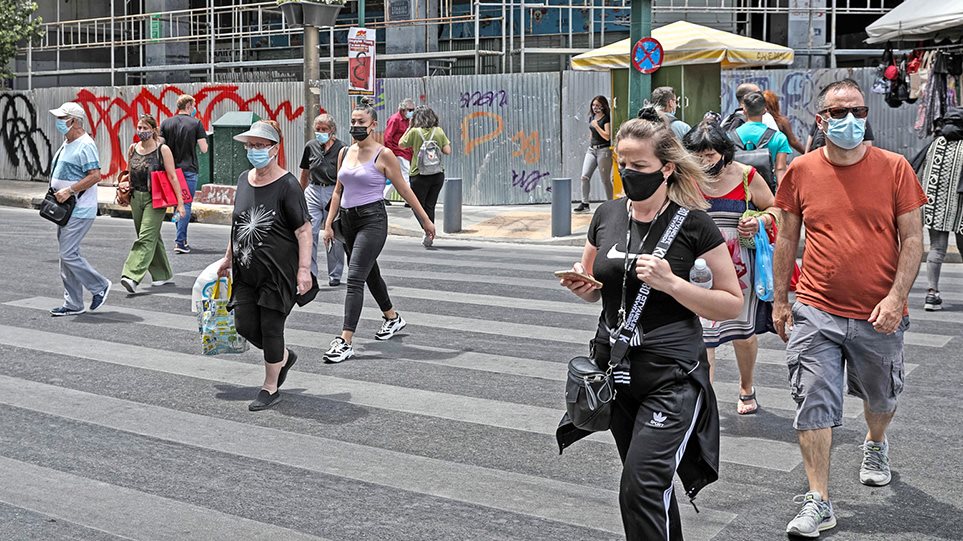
x=687, y=43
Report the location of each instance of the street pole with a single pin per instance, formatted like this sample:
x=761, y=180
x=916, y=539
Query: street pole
x=312, y=72
x=360, y=13
x=640, y=85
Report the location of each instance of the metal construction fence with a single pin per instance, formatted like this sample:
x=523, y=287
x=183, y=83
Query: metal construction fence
x=510, y=133
x=798, y=89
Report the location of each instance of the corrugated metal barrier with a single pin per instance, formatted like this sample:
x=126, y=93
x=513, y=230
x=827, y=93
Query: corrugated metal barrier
x=510, y=133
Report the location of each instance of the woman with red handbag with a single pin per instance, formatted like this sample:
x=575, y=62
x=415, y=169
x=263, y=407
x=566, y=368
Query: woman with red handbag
x=148, y=254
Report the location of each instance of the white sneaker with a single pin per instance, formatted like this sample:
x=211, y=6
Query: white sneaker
x=129, y=285
x=426, y=241
x=815, y=516
x=158, y=283
x=390, y=327
x=338, y=351
x=874, y=471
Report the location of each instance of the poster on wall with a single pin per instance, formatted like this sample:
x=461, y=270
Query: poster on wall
x=361, y=62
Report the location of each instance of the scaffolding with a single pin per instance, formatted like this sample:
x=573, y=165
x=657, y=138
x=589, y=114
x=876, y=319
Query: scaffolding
x=230, y=27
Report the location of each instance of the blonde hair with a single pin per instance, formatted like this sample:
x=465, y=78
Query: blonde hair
x=184, y=101
x=683, y=185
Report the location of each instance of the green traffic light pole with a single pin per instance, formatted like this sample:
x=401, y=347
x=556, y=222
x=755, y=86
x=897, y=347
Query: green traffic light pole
x=640, y=85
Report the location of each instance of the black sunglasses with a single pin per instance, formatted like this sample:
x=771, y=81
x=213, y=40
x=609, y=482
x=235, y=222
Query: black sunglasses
x=841, y=112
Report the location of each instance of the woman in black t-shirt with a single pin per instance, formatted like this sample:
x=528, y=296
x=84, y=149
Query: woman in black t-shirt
x=664, y=417
x=269, y=253
x=599, y=153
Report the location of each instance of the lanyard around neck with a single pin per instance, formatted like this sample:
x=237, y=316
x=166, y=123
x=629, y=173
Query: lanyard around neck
x=628, y=238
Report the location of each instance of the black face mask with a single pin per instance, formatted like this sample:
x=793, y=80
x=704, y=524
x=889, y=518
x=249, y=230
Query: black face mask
x=359, y=133
x=717, y=168
x=639, y=186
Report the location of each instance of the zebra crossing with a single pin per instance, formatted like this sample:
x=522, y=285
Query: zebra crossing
x=446, y=432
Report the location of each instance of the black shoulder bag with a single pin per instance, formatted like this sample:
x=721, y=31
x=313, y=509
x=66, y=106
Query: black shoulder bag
x=53, y=210
x=589, y=391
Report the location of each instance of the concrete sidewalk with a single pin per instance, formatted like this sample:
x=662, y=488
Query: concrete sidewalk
x=525, y=224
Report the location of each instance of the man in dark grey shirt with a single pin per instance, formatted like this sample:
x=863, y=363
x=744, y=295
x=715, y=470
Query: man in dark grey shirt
x=182, y=132
x=319, y=174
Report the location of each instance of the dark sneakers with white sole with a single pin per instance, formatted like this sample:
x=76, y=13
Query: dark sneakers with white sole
x=338, y=351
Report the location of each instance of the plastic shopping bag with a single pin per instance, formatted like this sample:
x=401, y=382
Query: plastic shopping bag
x=204, y=284
x=762, y=275
x=218, y=332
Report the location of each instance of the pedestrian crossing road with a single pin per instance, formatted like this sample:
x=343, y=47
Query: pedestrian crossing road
x=114, y=426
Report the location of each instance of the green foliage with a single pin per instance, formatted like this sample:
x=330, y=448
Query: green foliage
x=15, y=28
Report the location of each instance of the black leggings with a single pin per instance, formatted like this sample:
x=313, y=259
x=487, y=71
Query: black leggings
x=262, y=327
x=427, y=188
x=365, y=230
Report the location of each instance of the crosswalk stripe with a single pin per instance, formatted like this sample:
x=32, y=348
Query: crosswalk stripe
x=459, y=263
x=575, y=306
x=549, y=282
x=121, y=511
x=492, y=413
x=539, y=497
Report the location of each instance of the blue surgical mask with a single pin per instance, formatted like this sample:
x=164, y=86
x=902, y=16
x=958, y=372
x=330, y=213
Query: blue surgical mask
x=62, y=126
x=409, y=114
x=846, y=133
x=259, y=157
x=322, y=137
x=194, y=114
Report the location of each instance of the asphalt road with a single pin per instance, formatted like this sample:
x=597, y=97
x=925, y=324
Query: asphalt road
x=112, y=425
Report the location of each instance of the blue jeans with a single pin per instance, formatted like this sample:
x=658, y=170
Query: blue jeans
x=318, y=197
x=181, y=238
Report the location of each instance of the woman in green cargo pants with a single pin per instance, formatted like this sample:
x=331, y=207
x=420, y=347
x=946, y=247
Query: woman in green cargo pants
x=148, y=254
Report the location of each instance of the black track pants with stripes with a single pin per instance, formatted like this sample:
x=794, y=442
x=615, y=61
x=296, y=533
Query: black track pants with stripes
x=652, y=421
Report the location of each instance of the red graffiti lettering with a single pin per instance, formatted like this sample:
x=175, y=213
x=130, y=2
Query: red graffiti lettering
x=99, y=111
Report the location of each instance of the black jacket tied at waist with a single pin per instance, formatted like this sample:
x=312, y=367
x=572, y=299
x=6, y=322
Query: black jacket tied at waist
x=681, y=341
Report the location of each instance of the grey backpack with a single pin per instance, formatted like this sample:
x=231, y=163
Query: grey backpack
x=758, y=156
x=429, y=156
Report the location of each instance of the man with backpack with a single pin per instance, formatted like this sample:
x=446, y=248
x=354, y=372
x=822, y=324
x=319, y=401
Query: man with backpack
x=427, y=142
x=738, y=117
x=759, y=145
x=666, y=103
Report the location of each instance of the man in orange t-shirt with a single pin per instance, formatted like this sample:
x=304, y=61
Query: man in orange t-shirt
x=864, y=240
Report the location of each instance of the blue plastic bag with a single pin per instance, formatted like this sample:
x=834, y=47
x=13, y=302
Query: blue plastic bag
x=762, y=273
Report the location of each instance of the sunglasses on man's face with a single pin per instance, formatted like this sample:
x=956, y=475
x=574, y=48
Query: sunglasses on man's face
x=841, y=112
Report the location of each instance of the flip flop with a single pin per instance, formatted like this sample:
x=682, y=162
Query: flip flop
x=746, y=398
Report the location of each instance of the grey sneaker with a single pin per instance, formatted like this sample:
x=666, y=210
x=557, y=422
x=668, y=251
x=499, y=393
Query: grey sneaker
x=389, y=327
x=874, y=471
x=816, y=516
x=426, y=241
x=933, y=301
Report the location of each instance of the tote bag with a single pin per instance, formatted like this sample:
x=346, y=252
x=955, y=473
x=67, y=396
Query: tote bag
x=162, y=193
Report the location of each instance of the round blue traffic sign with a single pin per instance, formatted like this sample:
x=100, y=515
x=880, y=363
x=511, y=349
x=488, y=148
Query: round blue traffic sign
x=647, y=55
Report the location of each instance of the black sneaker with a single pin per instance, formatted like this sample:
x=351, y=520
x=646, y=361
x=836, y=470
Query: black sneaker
x=334, y=282
x=61, y=311
x=389, y=327
x=181, y=248
x=933, y=301
x=582, y=207
x=264, y=400
x=338, y=351
x=100, y=298
x=283, y=375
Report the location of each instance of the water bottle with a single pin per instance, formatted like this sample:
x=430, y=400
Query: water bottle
x=175, y=217
x=700, y=274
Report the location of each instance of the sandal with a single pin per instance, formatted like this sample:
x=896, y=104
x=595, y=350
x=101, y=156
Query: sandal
x=746, y=398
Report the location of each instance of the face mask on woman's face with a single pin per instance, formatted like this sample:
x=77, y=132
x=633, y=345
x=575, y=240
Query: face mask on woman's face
x=715, y=169
x=409, y=114
x=62, y=126
x=639, y=186
x=259, y=157
x=360, y=133
x=145, y=135
x=322, y=137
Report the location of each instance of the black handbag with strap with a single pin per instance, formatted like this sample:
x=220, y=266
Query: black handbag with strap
x=589, y=390
x=53, y=210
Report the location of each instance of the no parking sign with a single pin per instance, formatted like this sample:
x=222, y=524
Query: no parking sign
x=647, y=55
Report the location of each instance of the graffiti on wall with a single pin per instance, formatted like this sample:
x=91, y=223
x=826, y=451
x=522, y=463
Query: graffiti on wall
x=482, y=126
x=25, y=144
x=111, y=113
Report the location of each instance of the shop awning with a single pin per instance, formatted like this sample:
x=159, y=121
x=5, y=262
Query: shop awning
x=919, y=20
x=687, y=43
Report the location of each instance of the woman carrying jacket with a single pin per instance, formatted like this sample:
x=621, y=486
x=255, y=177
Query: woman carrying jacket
x=148, y=253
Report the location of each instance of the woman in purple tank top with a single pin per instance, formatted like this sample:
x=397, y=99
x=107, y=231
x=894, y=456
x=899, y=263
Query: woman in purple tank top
x=363, y=169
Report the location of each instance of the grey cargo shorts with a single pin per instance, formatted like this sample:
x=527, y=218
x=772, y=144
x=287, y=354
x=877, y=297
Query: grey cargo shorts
x=827, y=351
